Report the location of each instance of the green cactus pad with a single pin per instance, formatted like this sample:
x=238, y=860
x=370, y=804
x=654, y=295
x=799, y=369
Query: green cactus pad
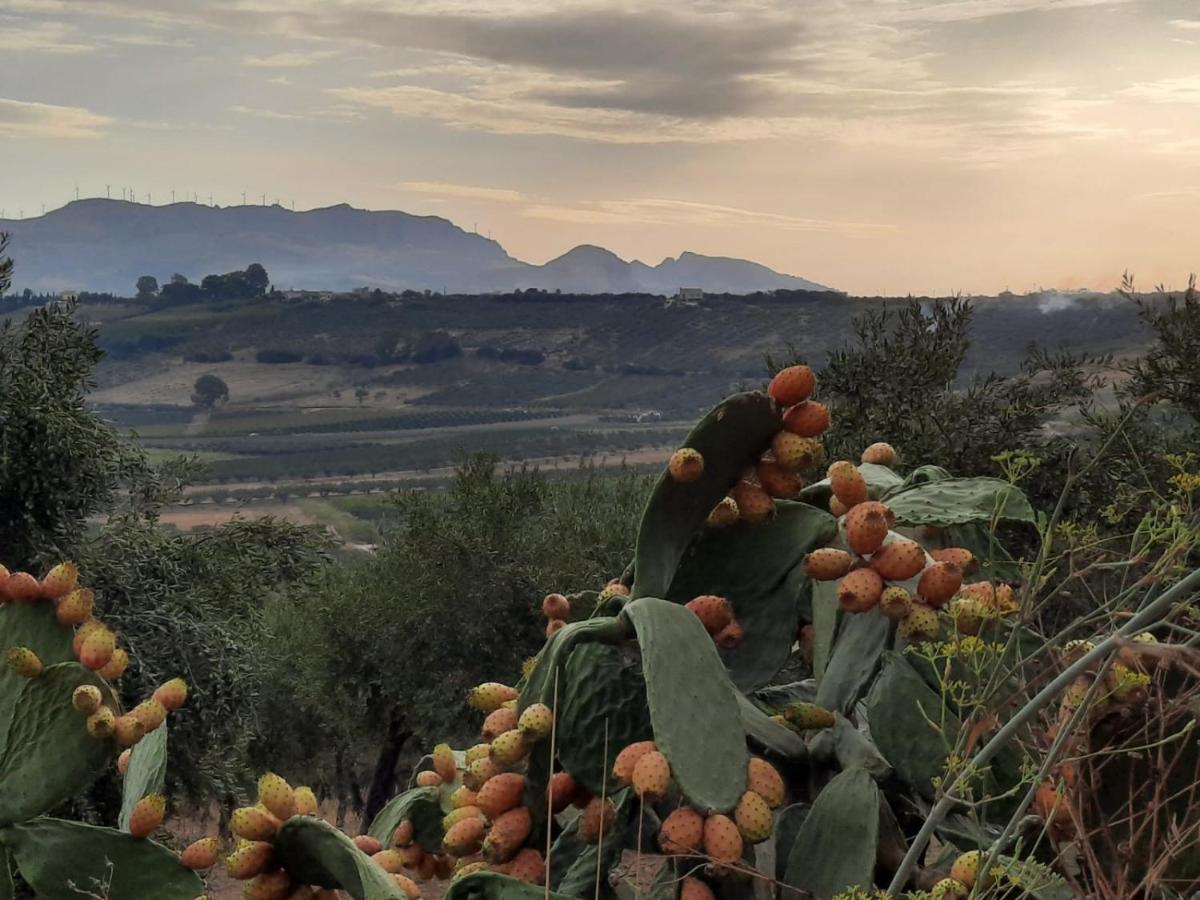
x=856, y=653
x=601, y=684
x=146, y=773
x=68, y=860
x=770, y=736
x=423, y=807
x=825, y=615
x=758, y=570
x=845, y=747
x=787, y=825
x=573, y=862
x=957, y=501
x=836, y=846
x=7, y=889
x=731, y=437
x=494, y=886
x=29, y=625
x=880, y=480
x=314, y=852
x=539, y=688
x=693, y=705
x=50, y=757
x=775, y=698
x=900, y=709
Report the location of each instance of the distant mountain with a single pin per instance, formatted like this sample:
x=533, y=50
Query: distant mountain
x=105, y=245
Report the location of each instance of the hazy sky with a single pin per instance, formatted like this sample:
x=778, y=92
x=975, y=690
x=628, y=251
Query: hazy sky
x=879, y=146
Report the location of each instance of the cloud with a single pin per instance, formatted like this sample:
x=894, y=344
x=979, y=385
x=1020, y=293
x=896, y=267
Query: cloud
x=45, y=37
x=147, y=40
x=1166, y=90
x=289, y=60
x=972, y=10
x=22, y=119
x=466, y=191
x=327, y=112
x=1185, y=24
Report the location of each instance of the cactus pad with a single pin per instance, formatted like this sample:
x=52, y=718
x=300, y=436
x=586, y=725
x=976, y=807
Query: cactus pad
x=421, y=806
x=314, y=852
x=147, y=772
x=957, y=501
x=836, y=846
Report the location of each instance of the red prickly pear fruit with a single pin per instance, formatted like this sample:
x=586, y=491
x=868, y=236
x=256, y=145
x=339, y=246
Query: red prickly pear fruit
x=116, y=665
x=391, y=861
x=556, y=606
x=489, y=696
x=686, y=465
x=498, y=722
x=86, y=699
x=895, y=602
x=753, y=818
x=428, y=779
x=367, y=844
x=150, y=713
x=147, y=816
x=75, y=608
x=713, y=612
x=921, y=624
x=508, y=832
x=597, y=818
x=695, y=889
x=682, y=831
x=764, y=779
x=807, y=419
x=859, y=591
x=628, y=758
x=60, y=581
x=123, y=761
x=779, y=482
x=277, y=796
x=796, y=453
x=172, y=694
x=527, y=866
x=792, y=385
x=880, y=454
x=652, y=776
x=960, y=556
x=102, y=723
x=268, y=886
x=97, y=648
x=731, y=636
x=847, y=483
x=553, y=626
x=21, y=586
x=465, y=836
x=128, y=730
x=939, y=583
x=202, y=854
x=899, y=560
x=536, y=722
x=754, y=504
x=866, y=533
x=722, y=840
x=248, y=859
x=444, y=763
x=305, y=801
x=462, y=797
x=81, y=635
x=4, y=573
x=724, y=514
x=827, y=564
x=23, y=662
x=510, y=748
x=500, y=794
x=252, y=823
x=562, y=791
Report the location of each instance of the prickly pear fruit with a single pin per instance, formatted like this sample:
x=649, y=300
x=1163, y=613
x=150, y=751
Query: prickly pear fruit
x=792, y=385
x=722, y=840
x=487, y=697
x=75, y=608
x=367, y=844
x=97, y=648
x=410, y=888
x=764, y=779
x=147, y=815
x=172, y=694
x=561, y=790
x=24, y=662
x=778, y=481
x=201, y=854
x=81, y=634
x=628, y=758
x=899, y=560
x=598, y=816
x=268, y=886
x=724, y=514
x=116, y=665
x=695, y=889
x=556, y=606
x=123, y=761
x=462, y=797
x=948, y=889
x=895, y=602
x=939, y=582
x=500, y=794
x=796, y=453
x=652, y=776
x=444, y=763
x=21, y=586
x=128, y=730
x=479, y=772
x=859, y=590
x=754, y=504
x=500, y=720
x=966, y=868
x=455, y=816
x=969, y=614
x=102, y=723
x=464, y=836
x=535, y=723
x=60, y=581
x=753, y=818
x=827, y=564
x=866, y=533
x=730, y=637
x=713, y=612
x=528, y=866
x=847, y=483
x=510, y=748
x=508, y=832
x=880, y=454
x=960, y=556
x=391, y=861
x=150, y=713
x=682, y=831
x=253, y=823
x=428, y=778
x=686, y=464
x=807, y=419
x=248, y=859
x=837, y=507
x=277, y=796
x=305, y=801
x=553, y=626
x=808, y=716
x=921, y=624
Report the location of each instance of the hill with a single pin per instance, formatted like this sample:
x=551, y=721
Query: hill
x=105, y=245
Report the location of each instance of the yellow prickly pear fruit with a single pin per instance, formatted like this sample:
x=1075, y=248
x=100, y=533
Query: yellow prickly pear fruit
x=724, y=514
x=796, y=453
x=305, y=801
x=116, y=665
x=248, y=859
x=764, y=779
x=722, y=840
x=682, y=831
x=86, y=699
x=695, y=889
x=480, y=772
x=444, y=762
x=847, y=483
x=535, y=723
x=455, y=816
x=597, y=817
x=500, y=794
x=753, y=818
x=464, y=836
x=499, y=721
x=652, y=776
x=462, y=797
x=510, y=748
x=97, y=648
x=60, y=581
x=201, y=854
x=966, y=869
x=277, y=796
x=150, y=713
x=948, y=889
x=268, y=886
x=147, y=815
x=428, y=778
x=487, y=697
x=808, y=716
x=75, y=608
x=102, y=723
x=479, y=751
x=686, y=465
x=391, y=861
x=24, y=662
x=970, y=614
x=508, y=832
x=895, y=602
x=367, y=844
x=880, y=454
x=628, y=758
x=172, y=694
x=921, y=624
x=128, y=730
x=253, y=823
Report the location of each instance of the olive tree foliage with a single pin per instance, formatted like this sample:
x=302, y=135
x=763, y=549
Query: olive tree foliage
x=374, y=660
x=209, y=390
x=1170, y=370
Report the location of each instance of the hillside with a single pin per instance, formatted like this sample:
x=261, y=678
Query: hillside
x=105, y=245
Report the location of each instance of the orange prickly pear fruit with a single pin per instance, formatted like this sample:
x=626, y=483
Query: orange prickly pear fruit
x=252, y=823
x=389, y=860
x=921, y=624
x=97, y=648
x=128, y=730
x=410, y=888
x=939, y=582
x=870, y=507
x=444, y=763
x=277, y=796
x=764, y=779
x=722, y=840
x=562, y=791
x=86, y=699
x=268, y=886
x=552, y=626
x=248, y=859
x=367, y=844
x=597, y=817
x=116, y=665
x=694, y=889
x=76, y=607
x=880, y=454
x=860, y=590
x=147, y=815
x=81, y=634
x=428, y=779
x=682, y=831
x=686, y=465
x=652, y=776
x=150, y=713
x=866, y=533
x=508, y=832
x=500, y=794
x=753, y=818
x=827, y=564
x=724, y=514
x=628, y=758
x=535, y=723
x=960, y=556
x=807, y=419
x=403, y=835
x=753, y=503
x=465, y=834
x=778, y=481
x=60, y=581
x=713, y=612
x=730, y=637
x=556, y=606
x=21, y=586
x=499, y=721
x=24, y=662
x=305, y=801
x=123, y=761
x=489, y=696
x=528, y=866
x=796, y=453
x=102, y=723
x=792, y=385
x=895, y=602
x=899, y=560
x=201, y=854
x=172, y=694
x=847, y=483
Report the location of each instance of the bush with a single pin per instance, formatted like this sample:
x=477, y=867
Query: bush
x=275, y=357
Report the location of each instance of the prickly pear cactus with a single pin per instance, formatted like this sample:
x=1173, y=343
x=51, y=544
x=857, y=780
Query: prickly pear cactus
x=146, y=773
x=422, y=806
x=314, y=852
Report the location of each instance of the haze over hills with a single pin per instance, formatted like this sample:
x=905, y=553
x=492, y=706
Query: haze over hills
x=105, y=245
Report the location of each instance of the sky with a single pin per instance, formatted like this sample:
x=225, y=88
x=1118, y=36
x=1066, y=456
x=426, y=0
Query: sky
x=878, y=146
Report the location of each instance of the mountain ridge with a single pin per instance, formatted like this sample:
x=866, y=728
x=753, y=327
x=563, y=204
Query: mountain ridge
x=105, y=245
